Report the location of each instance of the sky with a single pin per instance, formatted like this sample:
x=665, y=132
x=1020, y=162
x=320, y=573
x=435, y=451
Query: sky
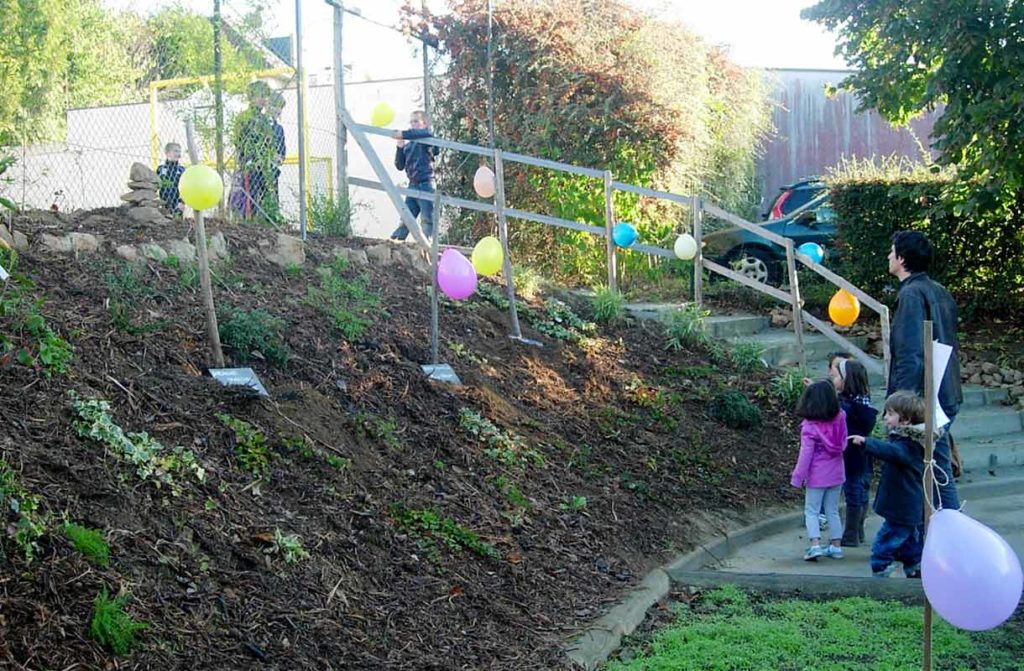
x=757, y=33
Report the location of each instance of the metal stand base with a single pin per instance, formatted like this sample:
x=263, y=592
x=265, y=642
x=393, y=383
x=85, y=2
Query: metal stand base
x=441, y=372
x=526, y=341
x=239, y=377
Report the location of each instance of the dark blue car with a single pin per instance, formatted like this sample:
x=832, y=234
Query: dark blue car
x=765, y=261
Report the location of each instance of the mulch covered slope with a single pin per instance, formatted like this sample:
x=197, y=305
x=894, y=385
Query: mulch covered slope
x=622, y=422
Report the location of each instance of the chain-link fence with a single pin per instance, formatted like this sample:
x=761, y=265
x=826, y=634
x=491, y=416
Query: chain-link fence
x=244, y=106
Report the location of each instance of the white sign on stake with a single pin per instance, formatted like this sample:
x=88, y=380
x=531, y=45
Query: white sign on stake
x=3, y=274
x=940, y=360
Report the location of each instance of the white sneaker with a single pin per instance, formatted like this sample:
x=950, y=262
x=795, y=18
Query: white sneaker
x=813, y=553
x=834, y=551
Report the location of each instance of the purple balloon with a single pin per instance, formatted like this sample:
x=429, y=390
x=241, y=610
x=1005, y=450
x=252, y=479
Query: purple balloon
x=971, y=576
x=456, y=275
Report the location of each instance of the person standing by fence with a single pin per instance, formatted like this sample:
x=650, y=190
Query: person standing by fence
x=253, y=137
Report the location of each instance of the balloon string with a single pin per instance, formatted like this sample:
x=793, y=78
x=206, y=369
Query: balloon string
x=937, y=482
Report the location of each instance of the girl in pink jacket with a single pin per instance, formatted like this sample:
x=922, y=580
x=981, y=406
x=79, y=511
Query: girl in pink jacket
x=819, y=469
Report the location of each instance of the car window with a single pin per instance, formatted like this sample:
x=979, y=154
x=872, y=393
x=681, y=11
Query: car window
x=798, y=198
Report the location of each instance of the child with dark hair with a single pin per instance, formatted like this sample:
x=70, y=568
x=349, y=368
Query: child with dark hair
x=900, y=497
x=850, y=379
x=819, y=468
x=417, y=160
x=169, y=175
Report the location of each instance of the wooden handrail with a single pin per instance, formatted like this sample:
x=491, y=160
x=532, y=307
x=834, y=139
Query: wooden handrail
x=744, y=224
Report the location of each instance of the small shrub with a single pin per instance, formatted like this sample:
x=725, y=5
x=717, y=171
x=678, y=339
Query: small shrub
x=111, y=626
x=21, y=517
x=255, y=331
x=788, y=386
x=289, y=547
x=493, y=294
x=734, y=410
x=747, y=357
x=88, y=542
x=330, y=216
x=507, y=487
x=293, y=270
x=574, y=504
x=559, y=321
x=348, y=303
x=250, y=445
x=527, y=281
x=687, y=327
x=384, y=430
x=609, y=306
x=507, y=448
x=429, y=526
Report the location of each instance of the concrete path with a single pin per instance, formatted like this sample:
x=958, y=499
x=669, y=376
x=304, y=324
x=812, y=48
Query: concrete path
x=782, y=553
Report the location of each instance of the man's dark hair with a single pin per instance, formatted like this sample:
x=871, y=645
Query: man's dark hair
x=915, y=249
x=818, y=402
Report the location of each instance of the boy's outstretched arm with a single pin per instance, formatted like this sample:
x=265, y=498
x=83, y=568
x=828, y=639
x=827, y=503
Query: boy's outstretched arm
x=886, y=451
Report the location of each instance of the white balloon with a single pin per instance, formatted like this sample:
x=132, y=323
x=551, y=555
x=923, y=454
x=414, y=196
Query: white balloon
x=483, y=182
x=685, y=247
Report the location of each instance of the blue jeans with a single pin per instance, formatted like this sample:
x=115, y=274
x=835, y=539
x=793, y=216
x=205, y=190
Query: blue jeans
x=817, y=499
x=947, y=493
x=418, y=206
x=897, y=542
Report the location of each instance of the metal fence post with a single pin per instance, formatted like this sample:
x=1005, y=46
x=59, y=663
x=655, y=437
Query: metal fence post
x=506, y=264
x=302, y=118
x=698, y=260
x=434, y=262
x=794, y=290
x=609, y=222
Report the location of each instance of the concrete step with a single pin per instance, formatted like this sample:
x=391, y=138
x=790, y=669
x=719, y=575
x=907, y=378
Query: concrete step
x=988, y=422
x=652, y=311
x=993, y=453
x=974, y=396
x=725, y=327
x=780, y=347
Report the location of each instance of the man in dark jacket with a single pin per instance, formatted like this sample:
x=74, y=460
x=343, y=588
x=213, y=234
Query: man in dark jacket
x=417, y=160
x=921, y=298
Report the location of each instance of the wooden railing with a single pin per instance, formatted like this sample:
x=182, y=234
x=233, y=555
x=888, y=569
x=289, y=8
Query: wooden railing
x=698, y=208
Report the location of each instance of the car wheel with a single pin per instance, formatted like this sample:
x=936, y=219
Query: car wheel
x=758, y=265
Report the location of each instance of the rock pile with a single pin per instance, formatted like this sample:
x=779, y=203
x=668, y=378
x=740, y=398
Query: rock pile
x=143, y=197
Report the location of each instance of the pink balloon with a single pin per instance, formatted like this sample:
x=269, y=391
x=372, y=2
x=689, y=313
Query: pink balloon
x=971, y=575
x=456, y=275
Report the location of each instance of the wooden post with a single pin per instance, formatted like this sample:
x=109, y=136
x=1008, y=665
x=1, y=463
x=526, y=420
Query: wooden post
x=929, y=475
x=506, y=264
x=434, y=261
x=609, y=222
x=794, y=290
x=205, y=287
x=698, y=260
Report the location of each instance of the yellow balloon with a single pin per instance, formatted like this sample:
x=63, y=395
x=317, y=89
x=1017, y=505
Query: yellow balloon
x=201, y=187
x=487, y=256
x=382, y=115
x=844, y=308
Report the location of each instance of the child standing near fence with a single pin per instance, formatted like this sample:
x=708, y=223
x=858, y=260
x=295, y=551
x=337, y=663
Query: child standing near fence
x=851, y=382
x=417, y=160
x=900, y=497
x=169, y=174
x=819, y=468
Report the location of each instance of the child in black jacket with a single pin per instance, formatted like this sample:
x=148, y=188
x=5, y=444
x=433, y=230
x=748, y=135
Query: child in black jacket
x=900, y=497
x=851, y=382
x=417, y=160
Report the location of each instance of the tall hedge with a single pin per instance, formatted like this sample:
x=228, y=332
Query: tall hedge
x=596, y=83
x=979, y=254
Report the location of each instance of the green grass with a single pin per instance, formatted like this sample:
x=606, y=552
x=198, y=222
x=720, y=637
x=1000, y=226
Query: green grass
x=727, y=630
x=111, y=626
x=88, y=542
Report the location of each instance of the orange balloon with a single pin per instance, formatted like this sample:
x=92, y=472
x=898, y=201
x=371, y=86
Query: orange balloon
x=844, y=308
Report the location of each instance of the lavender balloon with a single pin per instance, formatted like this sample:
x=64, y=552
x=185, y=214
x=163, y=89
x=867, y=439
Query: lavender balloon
x=972, y=577
x=456, y=275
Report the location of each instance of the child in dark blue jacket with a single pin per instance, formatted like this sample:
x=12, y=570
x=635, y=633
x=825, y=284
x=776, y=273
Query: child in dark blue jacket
x=168, y=176
x=900, y=497
x=851, y=382
x=417, y=160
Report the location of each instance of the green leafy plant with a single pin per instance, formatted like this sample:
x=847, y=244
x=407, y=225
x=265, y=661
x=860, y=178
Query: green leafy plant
x=152, y=461
x=559, y=321
x=381, y=428
x=734, y=410
x=127, y=290
x=293, y=270
x=255, y=331
x=288, y=547
x=747, y=357
x=609, y=306
x=574, y=503
x=88, y=542
x=431, y=527
x=687, y=327
x=348, y=303
x=511, y=491
x=22, y=519
x=111, y=626
x=250, y=445
x=329, y=215
x=25, y=336
x=509, y=449
x=788, y=386
x=527, y=282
